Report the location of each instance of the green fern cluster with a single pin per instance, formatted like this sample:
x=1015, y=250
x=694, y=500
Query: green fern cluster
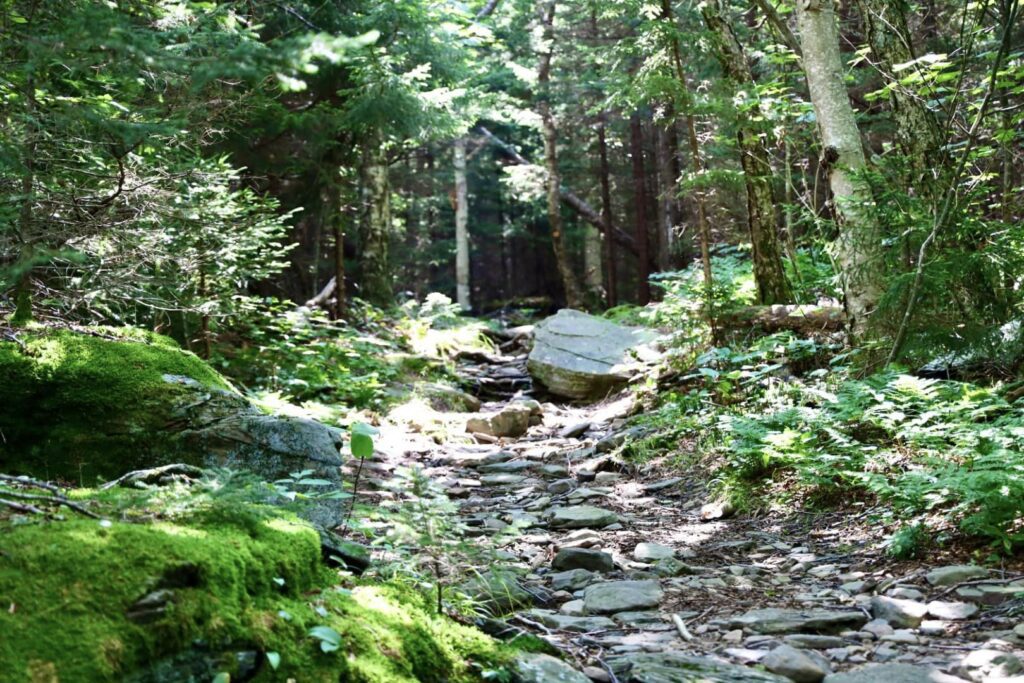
x=929, y=446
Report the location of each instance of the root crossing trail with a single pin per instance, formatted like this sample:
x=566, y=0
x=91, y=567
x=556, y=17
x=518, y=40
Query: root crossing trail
x=637, y=577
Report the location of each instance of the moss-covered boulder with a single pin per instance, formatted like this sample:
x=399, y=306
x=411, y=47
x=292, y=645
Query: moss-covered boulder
x=82, y=406
x=177, y=588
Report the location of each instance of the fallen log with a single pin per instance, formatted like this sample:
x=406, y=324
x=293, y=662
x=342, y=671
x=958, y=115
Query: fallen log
x=568, y=197
x=803, y=318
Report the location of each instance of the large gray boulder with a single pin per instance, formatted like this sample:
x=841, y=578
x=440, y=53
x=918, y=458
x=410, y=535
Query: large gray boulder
x=95, y=405
x=577, y=355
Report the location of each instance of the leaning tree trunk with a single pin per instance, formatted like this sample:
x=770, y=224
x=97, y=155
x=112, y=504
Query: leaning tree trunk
x=573, y=296
x=858, y=249
x=461, y=231
x=373, y=257
x=769, y=274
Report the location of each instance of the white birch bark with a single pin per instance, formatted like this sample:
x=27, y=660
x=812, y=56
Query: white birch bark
x=461, y=227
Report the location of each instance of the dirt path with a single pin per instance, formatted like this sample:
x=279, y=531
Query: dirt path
x=632, y=585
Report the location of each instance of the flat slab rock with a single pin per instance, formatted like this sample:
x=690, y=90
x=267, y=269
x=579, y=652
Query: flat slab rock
x=581, y=516
x=676, y=667
x=541, y=668
x=893, y=673
x=621, y=596
x=822, y=621
x=577, y=355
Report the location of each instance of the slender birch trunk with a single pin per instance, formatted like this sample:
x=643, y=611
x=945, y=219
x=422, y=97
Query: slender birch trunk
x=858, y=249
x=461, y=227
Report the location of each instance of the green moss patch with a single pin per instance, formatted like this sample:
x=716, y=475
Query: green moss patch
x=81, y=405
x=161, y=601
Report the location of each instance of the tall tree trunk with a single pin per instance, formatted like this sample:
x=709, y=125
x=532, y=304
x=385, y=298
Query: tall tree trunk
x=858, y=249
x=769, y=274
x=696, y=160
x=338, y=221
x=643, y=263
x=461, y=228
x=373, y=258
x=917, y=129
x=611, y=285
x=546, y=13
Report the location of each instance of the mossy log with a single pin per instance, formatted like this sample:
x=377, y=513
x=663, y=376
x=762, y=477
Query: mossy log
x=803, y=319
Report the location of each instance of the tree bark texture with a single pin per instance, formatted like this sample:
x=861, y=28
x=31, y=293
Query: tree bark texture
x=918, y=132
x=858, y=249
x=769, y=274
x=643, y=263
x=804, y=319
x=546, y=14
x=696, y=157
x=373, y=258
x=611, y=285
x=461, y=227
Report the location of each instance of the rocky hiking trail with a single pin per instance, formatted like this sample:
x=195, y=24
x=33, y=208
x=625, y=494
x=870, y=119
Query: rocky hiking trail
x=637, y=576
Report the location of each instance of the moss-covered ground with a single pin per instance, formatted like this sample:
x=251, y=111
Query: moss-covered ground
x=166, y=597
x=81, y=405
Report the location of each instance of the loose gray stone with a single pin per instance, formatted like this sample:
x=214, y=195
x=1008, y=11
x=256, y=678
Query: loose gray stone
x=892, y=673
x=947, y=576
x=677, y=667
x=564, y=622
x=951, y=610
x=795, y=665
x=507, y=467
x=774, y=620
x=621, y=596
x=582, y=356
x=650, y=552
x=583, y=558
x=573, y=608
x=984, y=665
x=814, y=642
x=573, y=430
x=502, y=479
x=541, y=668
x=581, y=516
x=512, y=420
x=899, y=613
x=572, y=580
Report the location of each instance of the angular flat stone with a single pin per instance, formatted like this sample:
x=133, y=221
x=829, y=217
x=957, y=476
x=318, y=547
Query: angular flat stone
x=651, y=552
x=814, y=642
x=795, y=665
x=951, y=610
x=899, y=613
x=822, y=621
x=581, y=516
x=572, y=580
x=676, y=667
x=621, y=596
x=562, y=622
x=512, y=420
x=540, y=668
x=583, y=558
x=892, y=673
x=502, y=479
x=507, y=467
x=947, y=576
